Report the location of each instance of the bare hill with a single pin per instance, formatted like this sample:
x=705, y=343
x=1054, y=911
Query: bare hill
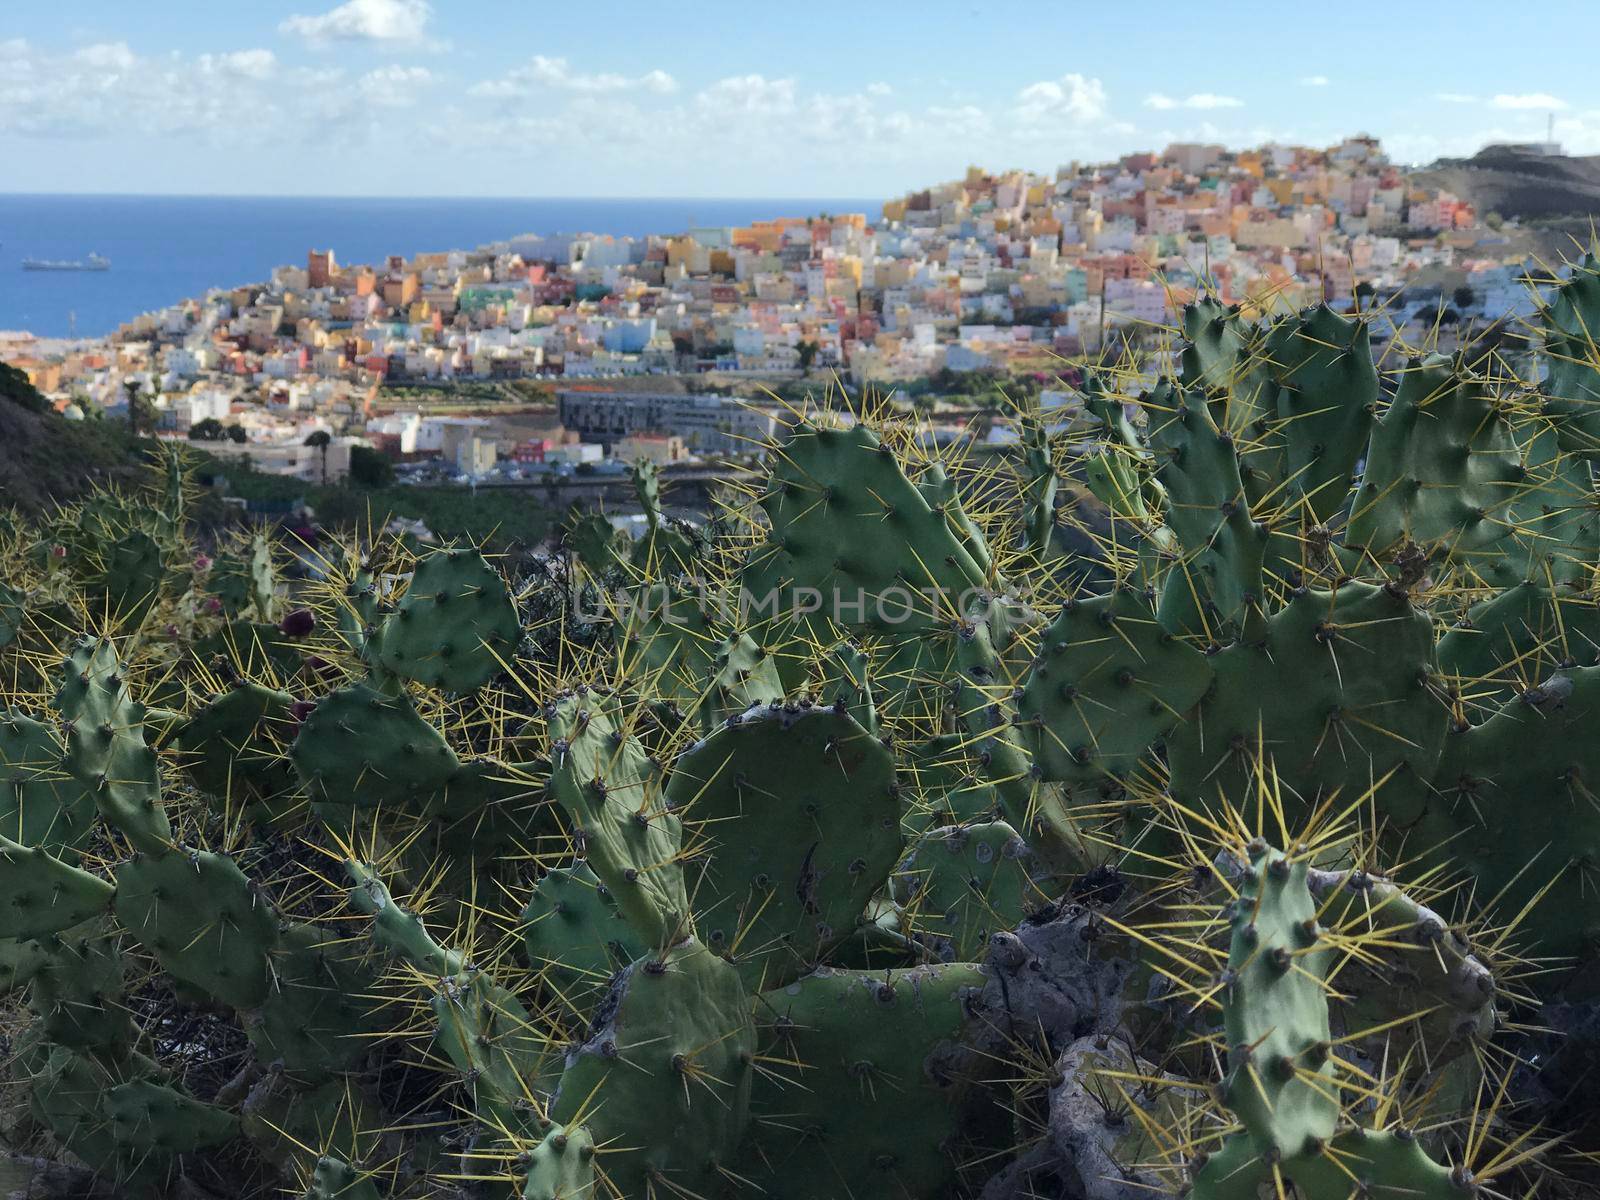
x=1516, y=183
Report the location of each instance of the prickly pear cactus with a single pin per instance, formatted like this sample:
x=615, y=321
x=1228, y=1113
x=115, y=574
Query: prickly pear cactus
x=663, y=1081
x=455, y=629
x=611, y=791
x=797, y=816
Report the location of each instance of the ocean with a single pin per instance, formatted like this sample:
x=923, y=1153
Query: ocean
x=168, y=248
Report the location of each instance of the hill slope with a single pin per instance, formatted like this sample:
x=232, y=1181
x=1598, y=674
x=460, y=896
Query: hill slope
x=44, y=457
x=1515, y=183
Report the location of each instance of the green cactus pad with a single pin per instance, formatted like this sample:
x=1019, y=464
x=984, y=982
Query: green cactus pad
x=843, y=672
x=487, y=1033
x=1515, y=810
x=961, y=884
x=106, y=751
x=849, y=529
x=575, y=938
x=799, y=819
x=41, y=803
x=246, y=582
x=1339, y=695
x=1450, y=487
x=1108, y=683
x=20, y=962
x=66, y=1094
x=602, y=778
x=292, y=1125
x=150, y=1118
x=1516, y=636
x=253, y=649
x=335, y=1179
x=849, y=1047
x=664, y=1077
x=561, y=1166
x=364, y=749
x=202, y=919
x=396, y=929
x=233, y=749
x=13, y=614
x=590, y=538
x=78, y=990
x=941, y=784
x=1571, y=323
x=40, y=894
x=322, y=1007
x=1554, y=519
x=1321, y=363
x=455, y=628
x=129, y=582
x=1417, y=982
x=1280, y=1075
x=1386, y=1163
x=1207, y=508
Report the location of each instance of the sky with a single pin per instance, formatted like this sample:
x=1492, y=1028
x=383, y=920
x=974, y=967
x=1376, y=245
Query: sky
x=751, y=98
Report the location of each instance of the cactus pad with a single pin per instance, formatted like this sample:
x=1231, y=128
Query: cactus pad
x=664, y=1076
x=456, y=626
x=799, y=816
x=204, y=921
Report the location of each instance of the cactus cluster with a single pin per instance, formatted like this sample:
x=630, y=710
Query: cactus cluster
x=866, y=841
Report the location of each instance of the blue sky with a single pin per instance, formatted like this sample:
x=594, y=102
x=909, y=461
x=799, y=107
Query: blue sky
x=714, y=98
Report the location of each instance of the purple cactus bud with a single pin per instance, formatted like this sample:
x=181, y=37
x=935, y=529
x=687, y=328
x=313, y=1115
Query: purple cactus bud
x=320, y=666
x=202, y=562
x=298, y=623
x=213, y=605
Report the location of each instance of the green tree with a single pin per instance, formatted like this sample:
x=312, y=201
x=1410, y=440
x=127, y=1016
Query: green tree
x=137, y=406
x=321, y=440
x=808, y=354
x=208, y=430
x=370, y=468
x=1464, y=297
x=236, y=433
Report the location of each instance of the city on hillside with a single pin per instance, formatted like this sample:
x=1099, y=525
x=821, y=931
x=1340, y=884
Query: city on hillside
x=551, y=356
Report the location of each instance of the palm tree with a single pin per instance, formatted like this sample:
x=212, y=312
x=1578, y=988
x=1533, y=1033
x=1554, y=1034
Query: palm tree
x=135, y=404
x=320, y=439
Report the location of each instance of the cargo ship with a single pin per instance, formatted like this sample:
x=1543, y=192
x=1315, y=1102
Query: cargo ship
x=93, y=263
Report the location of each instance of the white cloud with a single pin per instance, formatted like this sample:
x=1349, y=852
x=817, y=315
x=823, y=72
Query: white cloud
x=543, y=72
x=879, y=89
x=1529, y=100
x=107, y=56
x=394, y=86
x=364, y=20
x=748, y=94
x=1073, y=99
x=246, y=64
x=1455, y=97
x=1314, y=81
x=658, y=81
x=1205, y=100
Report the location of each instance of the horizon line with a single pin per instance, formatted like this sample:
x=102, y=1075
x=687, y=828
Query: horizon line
x=419, y=196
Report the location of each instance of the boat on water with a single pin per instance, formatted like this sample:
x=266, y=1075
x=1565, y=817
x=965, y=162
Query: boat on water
x=93, y=263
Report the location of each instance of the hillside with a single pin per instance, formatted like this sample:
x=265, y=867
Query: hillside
x=44, y=457
x=1515, y=183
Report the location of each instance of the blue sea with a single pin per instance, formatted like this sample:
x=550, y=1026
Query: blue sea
x=168, y=248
